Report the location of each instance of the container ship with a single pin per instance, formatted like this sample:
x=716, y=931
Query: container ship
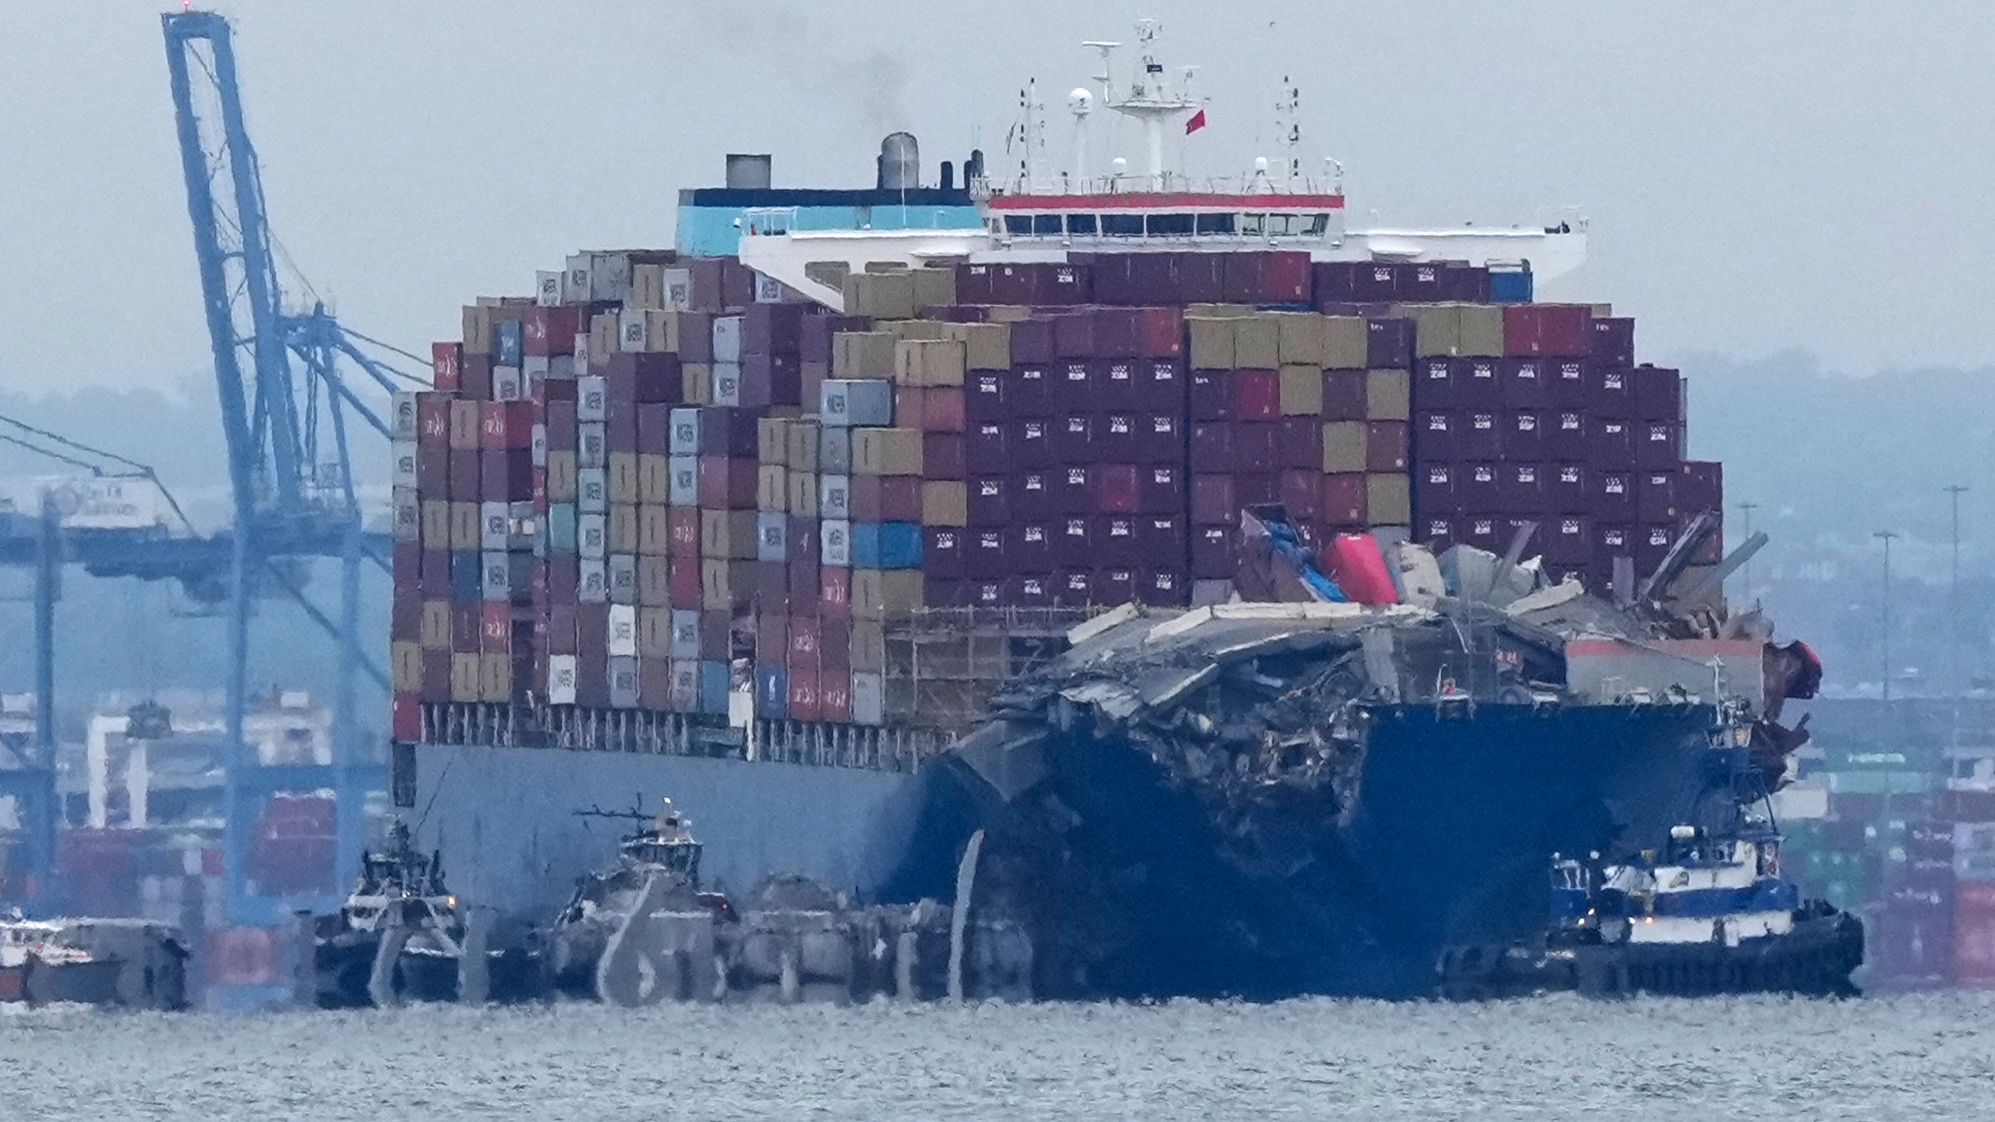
x=766, y=520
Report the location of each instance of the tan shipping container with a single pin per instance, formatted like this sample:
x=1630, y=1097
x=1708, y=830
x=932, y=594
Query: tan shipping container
x=466, y=678
x=647, y=287
x=1211, y=342
x=878, y=451
x=478, y=328
x=803, y=444
x=405, y=666
x=654, y=581
x=945, y=503
x=654, y=529
x=466, y=526
x=1346, y=343
x=1257, y=342
x=880, y=295
x=623, y=529
x=561, y=475
x=728, y=534
x=1301, y=339
x=772, y=440
x=696, y=383
x=605, y=339
x=623, y=478
x=1388, y=500
x=654, y=632
x=1437, y=328
x=436, y=524
x=435, y=626
x=1344, y=446
x=987, y=346
x=654, y=477
x=466, y=422
x=495, y=677
x=772, y=488
x=1481, y=330
x=863, y=354
x=803, y=494
x=934, y=288
x=1302, y=391
x=869, y=646
x=1388, y=395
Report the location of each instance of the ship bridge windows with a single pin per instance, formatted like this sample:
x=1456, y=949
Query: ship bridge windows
x=1253, y=225
x=1047, y=224
x=1122, y=225
x=1018, y=224
x=1217, y=223
x=1168, y=225
x=1082, y=224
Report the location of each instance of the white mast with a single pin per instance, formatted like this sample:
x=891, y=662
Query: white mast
x=1150, y=99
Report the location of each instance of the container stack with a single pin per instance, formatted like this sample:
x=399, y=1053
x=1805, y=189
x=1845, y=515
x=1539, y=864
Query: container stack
x=659, y=480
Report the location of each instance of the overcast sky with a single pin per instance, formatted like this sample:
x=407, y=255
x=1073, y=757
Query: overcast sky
x=1759, y=176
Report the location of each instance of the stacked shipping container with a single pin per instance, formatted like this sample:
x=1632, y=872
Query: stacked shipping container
x=659, y=480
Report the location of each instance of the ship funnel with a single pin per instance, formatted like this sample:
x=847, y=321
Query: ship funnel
x=948, y=176
x=747, y=172
x=973, y=168
x=900, y=162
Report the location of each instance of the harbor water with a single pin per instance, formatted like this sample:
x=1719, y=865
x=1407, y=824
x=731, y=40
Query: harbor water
x=1928, y=1056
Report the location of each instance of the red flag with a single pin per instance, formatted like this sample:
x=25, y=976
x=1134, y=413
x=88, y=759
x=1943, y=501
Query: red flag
x=1196, y=123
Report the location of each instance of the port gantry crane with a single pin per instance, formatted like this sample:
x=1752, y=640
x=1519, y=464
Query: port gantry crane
x=289, y=415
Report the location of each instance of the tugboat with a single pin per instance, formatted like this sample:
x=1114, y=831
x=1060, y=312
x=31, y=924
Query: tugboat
x=657, y=871
x=401, y=936
x=92, y=962
x=1705, y=913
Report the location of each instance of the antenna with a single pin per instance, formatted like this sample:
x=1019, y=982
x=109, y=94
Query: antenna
x=1079, y=103
x=1289, y=125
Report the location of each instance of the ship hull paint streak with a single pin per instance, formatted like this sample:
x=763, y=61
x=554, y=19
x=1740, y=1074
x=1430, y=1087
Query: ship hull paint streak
x=507, y=818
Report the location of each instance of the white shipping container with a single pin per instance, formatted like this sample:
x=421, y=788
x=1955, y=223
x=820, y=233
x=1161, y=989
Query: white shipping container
x=561, y=679
x=508, y=384
x=535, y=367
x=592, y=582
x=834, y=498
x=405, y=464
x=685, y=633
x=869, y=699
x=678, y=289
x=683, y=488
x=623, y=631
x=727, y=383
x=494, y=519
x=623, y=578
x=768, y=290
x=685, y=438
x=834, y=543
x=561, y=368
x=772, y=533
x=592, y=492
x=539, y=444
x=402, y=416
x=592, y=399
x=578, y=357
x=546, y=288
x=609, y=276
x=575, y=281
x=633, y=332
x=591, y=537
x=408, y=515
x=592, y=445
x=727, y=339
x=623, y=682
x=523, y=526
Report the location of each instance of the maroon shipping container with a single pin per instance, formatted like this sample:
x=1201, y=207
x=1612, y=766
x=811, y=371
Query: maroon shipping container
x=1256, y=395
x=1076, y=334
x=1212, y=501
x=1074, y=489
x=834, y=598
x=989, y=500
x=1613, y=341
x=1299, y=443
x=942, y=552
x=1117, y=488
x=1658, y=393
x=1210, y=394
x=862, y=499
x=945, y=455
x=803, y=581
x=1257, y=447
x=1434, y=490
x=1159, y=332
x=1343, y=501
x=1073, y=543
x=1201, y=278
x=1386, y=446
x=728, y=431
x=1389, y=344
x=1032, y=494
x=1212, y=553
x=683, y=579
x=728, y=482
x=645, y=378
x=446, y=366
x=984, y=557
x=683, y=524
x=1299, y=493
x=1032, y=342
x=1700, y=487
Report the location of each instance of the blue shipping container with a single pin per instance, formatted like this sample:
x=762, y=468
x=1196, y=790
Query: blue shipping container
x=772, y=692
x=1510, y=286
x=713, y=687
x=509, y=344
x=467, y=575
x=886, y=545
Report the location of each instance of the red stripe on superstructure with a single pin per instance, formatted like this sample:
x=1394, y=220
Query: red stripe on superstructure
x=1163, y=200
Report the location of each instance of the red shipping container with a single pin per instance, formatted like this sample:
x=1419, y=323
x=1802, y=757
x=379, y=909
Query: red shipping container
x=1201, y=277
x=1118, y=488
x=446, y=363
x=1974, y=934
x=551, y=330
x=835, y=592
x=1345, y=397
x=1523, y=330
x=1565, y=330
x=1257, y=447
x=910, y=407
x=683, y=582
x=944, y=411
x=804, y=703
x=1355, y=563
x=495, y=628
x=1343, y=500
x=406, y=718
x=1300, y=492
x=834, y=696
x=1160, y=332
x=728, y=482
x=803, y=633
x=1257, y=395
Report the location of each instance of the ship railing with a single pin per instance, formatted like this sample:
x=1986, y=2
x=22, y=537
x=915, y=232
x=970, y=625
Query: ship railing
x=768, y=221
x=1133, y=183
